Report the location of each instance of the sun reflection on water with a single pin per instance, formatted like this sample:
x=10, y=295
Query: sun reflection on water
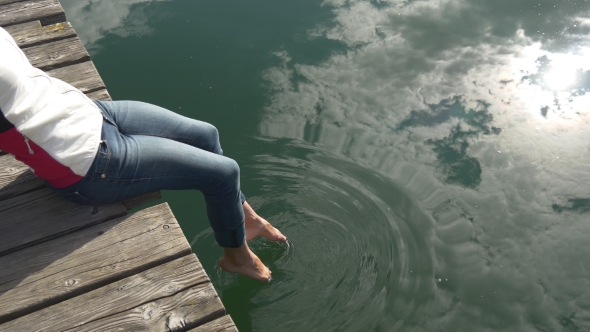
x=565, y=72
x=561, y=77
x=552, y=88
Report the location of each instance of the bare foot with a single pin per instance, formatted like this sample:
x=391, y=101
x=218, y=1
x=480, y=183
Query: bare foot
x=258, y=226
x=243, y=261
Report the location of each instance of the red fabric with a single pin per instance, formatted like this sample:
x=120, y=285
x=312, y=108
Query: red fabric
x=44, y=166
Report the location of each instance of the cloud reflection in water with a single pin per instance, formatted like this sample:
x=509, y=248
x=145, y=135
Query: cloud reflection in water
x=94, y=19
x=488, y=100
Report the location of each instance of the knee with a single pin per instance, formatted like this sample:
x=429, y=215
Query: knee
x=229, y=171
x=212, y=136
x=212, y=132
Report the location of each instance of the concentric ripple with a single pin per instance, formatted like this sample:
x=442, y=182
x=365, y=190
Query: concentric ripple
x=357, y=256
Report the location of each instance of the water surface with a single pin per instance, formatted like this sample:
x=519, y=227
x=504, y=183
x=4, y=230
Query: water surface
x=426, y=159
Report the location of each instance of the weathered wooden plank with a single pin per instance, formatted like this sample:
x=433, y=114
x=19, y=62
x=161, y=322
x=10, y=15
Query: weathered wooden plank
x=5, y=2
x=27, y=37
x=223, y=324
x=33, y=10
x=16, y=178
x=42, y=215
x=142, y=302
x=65, y=267
x=82, y=76
x=136, y=202
x=189, y=308
x=23, y=26
x=57, y=54
x=99, y=95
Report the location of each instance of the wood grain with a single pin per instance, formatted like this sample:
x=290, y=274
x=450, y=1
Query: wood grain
x=82, y=76
x=16, y=178
x=65, y=267
x=42, y=215
x=34, y=35
x=57, y=54
x=188, y=308
x=99, y=95
x=223, y=324
x=46, y=11
x=4, y=2
x=141, y=295
x=22, y=26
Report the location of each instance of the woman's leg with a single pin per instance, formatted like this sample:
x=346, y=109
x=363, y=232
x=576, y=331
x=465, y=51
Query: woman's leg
x=130, y=164
x=139, y=118
x=127, y=166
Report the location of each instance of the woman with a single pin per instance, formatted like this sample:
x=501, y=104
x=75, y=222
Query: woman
x=99, y=152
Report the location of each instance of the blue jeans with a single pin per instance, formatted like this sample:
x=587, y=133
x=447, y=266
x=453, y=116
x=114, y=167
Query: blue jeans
x=147, y=148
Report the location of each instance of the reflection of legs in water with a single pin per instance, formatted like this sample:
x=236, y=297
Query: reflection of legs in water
x=242, y=260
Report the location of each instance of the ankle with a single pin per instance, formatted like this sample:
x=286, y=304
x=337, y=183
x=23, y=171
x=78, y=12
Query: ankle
x=241, y=255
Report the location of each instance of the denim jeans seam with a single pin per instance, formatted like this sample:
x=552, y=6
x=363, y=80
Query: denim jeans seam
x=108, y=161
x=105, y=113
x=188, y=142
x=142, y=179
x=232, y=229
x=231, y=234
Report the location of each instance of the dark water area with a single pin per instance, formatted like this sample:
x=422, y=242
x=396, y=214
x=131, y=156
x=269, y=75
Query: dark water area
x=428, y=160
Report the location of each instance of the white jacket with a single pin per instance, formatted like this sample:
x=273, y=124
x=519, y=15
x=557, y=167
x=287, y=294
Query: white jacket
x=44, y=122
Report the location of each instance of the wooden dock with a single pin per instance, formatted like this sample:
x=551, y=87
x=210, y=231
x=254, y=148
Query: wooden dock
x=70, y=267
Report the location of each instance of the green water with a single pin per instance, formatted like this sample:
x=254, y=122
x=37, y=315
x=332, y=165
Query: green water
x=428, y=160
